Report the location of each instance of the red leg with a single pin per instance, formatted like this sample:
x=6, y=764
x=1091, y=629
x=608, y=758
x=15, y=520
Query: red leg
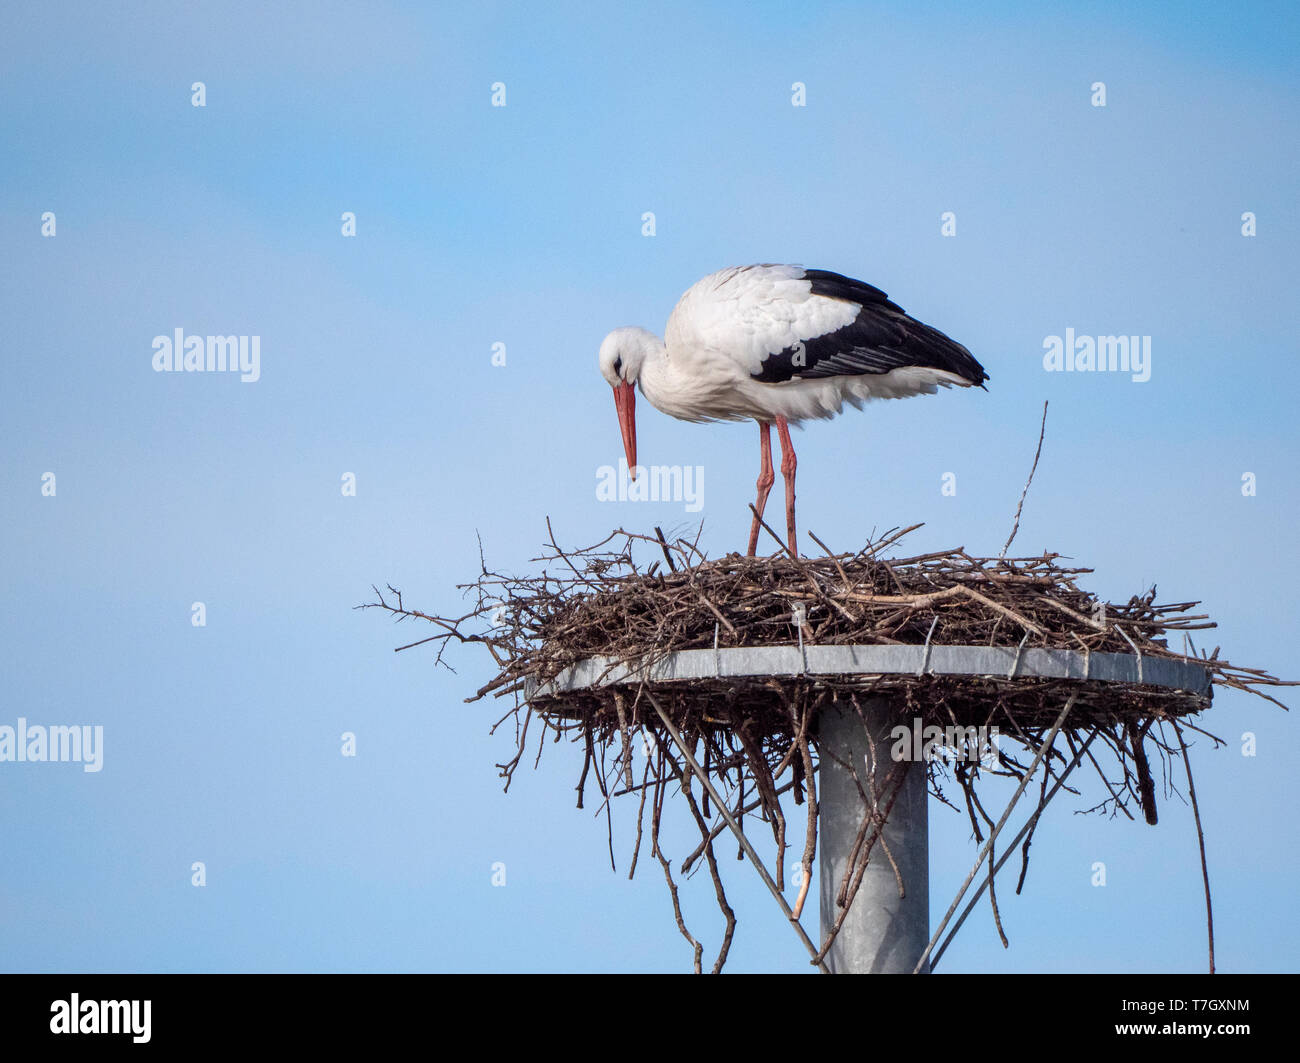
x=788, y=465
x=765, y=481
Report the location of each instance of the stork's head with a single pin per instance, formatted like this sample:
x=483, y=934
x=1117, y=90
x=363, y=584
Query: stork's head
x=622, y=354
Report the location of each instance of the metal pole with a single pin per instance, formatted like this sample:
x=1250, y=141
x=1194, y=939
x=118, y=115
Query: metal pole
x=883, y=933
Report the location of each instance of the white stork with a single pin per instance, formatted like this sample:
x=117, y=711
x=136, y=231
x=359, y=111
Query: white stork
x=780, y=344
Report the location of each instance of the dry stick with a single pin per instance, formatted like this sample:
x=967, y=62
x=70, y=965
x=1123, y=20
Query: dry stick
x=1146, y=785
x=753, y=509
x=868, y=822
x=586, y=764
x=1042, y=428
x=604, y=792
x=721, y=825
x=860, y=853
x=715, y=611
x=1106, y=782
x=1097, y=625
x=898, y=874
x=1200, y=838
x=626, y=756
x=735, y=828
x=565, y=557
x=1029, y=826
x=817, y=589
x=974, y=804
x=872, y=549
x=1002, y=610
x=507, y=770
x=810, y=837
x=934, y=555
x=767, y=787
x=1038, y=757
x=1029, y=838
x=640, y=817
x=655, y=817
x=720, y=893
x=803, y=775
x=663, y=544
x=856, y=869
x=843, y=575
x=993, y=903
x=799, y=730
x=875, y=805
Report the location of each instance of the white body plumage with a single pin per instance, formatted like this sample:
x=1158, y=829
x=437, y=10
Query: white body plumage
x=723, y=330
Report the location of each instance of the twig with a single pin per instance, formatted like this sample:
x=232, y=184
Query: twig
x=735, y=827
x=1011, y=848
x=1200, y=840
x=664, y=546
x=1042, y=751
x=1016, y=527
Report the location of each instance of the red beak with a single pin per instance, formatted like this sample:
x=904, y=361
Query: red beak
x=625, y=403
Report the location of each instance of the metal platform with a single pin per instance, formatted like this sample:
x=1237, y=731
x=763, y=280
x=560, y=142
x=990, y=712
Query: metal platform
x=997, y=662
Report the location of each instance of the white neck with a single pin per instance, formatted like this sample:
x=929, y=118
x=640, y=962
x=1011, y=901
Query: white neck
x=656, y=377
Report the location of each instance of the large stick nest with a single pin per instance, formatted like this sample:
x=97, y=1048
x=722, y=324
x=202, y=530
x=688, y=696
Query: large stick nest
x=600, y=603
x=633, y=598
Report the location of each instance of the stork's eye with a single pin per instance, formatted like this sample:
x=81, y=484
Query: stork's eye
x=618, y=366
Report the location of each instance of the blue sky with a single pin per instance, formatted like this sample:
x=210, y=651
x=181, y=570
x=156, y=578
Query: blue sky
x=522, y=225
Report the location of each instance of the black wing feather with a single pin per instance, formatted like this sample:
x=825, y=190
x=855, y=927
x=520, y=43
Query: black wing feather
x=881, y=338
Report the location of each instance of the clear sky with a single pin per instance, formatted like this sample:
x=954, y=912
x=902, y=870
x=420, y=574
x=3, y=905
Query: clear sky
x=523, y=225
